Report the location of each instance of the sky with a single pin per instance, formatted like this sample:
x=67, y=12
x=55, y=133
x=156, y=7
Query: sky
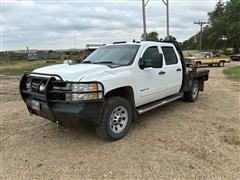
x=57, y=24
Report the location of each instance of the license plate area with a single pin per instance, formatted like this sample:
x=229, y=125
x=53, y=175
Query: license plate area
x=36, y=105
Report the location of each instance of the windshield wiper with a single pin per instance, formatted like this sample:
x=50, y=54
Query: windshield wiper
x=87, y=62
x=105, y=62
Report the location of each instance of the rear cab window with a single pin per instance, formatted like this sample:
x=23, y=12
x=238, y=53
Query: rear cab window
x=169, y=55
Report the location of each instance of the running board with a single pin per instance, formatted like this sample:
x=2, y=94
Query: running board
x=156, y=104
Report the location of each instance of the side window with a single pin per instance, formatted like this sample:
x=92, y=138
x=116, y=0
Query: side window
x=148, y=54
x=170, y=55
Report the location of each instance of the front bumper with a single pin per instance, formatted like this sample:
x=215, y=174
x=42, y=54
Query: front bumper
x=52, y=104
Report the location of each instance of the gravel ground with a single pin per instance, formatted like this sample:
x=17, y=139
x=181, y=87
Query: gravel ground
x=180, y=140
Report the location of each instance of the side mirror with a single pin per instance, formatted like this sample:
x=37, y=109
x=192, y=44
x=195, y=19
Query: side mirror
x=146, y=63
x=157, y=60
x=141, y=63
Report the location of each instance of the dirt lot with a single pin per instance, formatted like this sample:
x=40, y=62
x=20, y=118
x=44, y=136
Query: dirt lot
x=180, y=140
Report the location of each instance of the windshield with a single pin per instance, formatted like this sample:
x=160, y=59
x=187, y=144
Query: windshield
x=113, y=55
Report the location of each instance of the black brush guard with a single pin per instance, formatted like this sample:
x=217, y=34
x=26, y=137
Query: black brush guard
x=53, y=103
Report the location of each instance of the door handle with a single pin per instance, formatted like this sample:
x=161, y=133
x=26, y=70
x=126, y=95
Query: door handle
x=162, y=72
x=178, y=69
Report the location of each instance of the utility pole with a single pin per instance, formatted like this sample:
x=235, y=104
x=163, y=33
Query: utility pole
x=144, y=20
x=201, y=24
x=166, y=2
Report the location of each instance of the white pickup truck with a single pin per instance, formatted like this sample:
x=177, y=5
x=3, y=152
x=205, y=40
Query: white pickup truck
x=112, y=86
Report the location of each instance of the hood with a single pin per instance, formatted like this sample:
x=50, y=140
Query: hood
x=73, y=72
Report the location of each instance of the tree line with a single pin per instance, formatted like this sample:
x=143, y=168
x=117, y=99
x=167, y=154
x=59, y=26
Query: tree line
x=223, y=30
x=153, y=36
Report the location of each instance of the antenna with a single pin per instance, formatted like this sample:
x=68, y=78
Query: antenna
x=74, y=41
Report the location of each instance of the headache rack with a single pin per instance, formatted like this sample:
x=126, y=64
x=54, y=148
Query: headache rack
x=50, y=88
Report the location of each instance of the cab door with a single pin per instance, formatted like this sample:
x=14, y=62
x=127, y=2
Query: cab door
x=173, y=69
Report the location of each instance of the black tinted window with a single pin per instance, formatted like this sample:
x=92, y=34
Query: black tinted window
x=170, y=55
x=150, y=52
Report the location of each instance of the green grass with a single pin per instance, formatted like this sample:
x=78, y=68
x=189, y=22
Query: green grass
x=19, y=66
x=232, y=72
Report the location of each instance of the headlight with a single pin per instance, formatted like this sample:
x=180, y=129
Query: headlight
x=88, y=91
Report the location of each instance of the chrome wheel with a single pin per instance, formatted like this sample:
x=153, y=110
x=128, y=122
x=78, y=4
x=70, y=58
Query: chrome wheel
x=118, y=119
x=195, y=91
x=221, y=63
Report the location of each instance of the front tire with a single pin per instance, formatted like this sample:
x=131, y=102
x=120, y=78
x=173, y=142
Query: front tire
x=116, y=119
x=192, y=95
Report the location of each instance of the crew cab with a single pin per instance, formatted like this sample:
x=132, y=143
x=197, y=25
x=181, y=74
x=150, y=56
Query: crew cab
x=206, y=58
x=112, y=86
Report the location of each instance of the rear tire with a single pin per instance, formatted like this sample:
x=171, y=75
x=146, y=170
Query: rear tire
x=116, y=119
x=192, y=95
x=221, y=64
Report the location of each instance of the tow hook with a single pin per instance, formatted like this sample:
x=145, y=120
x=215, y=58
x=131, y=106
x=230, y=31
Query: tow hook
x=30, y=112
x=59, y=126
